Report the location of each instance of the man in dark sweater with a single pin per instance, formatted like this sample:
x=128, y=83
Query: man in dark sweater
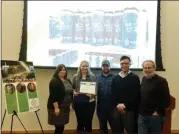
x=155, y=98
x=125, y=93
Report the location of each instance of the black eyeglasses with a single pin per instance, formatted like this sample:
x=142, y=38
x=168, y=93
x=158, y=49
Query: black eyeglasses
x=124, y=63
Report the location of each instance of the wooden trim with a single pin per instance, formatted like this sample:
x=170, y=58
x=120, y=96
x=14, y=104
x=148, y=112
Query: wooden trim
x=175, y=131
x=68, y=131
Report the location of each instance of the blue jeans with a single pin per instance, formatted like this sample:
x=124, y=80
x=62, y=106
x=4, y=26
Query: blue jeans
x=149, y=124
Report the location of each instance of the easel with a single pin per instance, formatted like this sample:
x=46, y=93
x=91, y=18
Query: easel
x=15, y=114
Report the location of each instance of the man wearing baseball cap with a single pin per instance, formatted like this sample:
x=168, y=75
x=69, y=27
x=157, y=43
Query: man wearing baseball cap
x=104, y=98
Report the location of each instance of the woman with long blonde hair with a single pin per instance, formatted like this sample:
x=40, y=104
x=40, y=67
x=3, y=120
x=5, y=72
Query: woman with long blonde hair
x=84, y=104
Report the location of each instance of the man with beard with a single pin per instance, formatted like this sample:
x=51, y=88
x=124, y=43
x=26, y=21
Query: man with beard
x=125, y=94
x=155, y=98
x=104, y=97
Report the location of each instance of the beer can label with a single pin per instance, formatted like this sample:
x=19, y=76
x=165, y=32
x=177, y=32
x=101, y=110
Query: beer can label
x=67, y=25
x=98, y=28
x=54, y=27
x=79, y=30
x=108, y=26
x=117, y=28
x=88, y=26
x=129, y=28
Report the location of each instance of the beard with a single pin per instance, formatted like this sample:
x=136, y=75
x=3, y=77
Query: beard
x=149, y=76
x=106, y=71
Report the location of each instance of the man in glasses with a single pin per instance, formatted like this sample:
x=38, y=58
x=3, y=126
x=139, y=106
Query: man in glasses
x=125, y=94
x=104, y=97
x=155, y=98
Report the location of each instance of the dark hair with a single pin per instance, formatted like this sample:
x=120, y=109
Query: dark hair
x=58, y=69
x=125, y=57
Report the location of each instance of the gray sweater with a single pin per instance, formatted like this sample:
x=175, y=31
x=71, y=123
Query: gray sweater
x=76, y=85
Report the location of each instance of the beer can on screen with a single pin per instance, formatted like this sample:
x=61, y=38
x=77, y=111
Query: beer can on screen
x=54, y=27
x=67, y=59
x=102, y=58
x=94, y=60
x=97, y=60
x=98, y=28
x=129, y=28
x=51, y=27
x=74, y=56
x=117, y=28
x=88, y=26
x=79, y=29
x=88, y=58
x=108, y=26
x=146, y=28
x=66, y=26
x=58, y=59
x=111, y=60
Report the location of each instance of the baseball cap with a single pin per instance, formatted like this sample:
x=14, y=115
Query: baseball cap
x=106, y=62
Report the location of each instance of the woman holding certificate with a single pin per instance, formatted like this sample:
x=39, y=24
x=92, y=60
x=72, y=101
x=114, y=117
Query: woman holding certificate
x=60, y=97
x=84, y=85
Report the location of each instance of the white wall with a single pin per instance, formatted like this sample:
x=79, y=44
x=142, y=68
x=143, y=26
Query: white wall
x=12, y=12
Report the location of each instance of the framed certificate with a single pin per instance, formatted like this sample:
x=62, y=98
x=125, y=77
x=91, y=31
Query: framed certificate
x=88, y=87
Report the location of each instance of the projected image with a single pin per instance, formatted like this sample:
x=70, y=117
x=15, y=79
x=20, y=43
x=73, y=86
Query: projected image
x=72, y=31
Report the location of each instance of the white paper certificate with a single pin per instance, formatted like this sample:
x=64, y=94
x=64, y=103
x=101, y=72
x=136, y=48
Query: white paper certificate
x=88, y=87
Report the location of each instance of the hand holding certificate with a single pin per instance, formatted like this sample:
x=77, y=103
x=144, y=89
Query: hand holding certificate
x=88, y=87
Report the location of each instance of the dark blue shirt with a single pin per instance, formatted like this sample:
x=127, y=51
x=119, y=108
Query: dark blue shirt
x=104, y=89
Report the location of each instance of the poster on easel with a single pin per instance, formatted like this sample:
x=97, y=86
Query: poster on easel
x=20, y=87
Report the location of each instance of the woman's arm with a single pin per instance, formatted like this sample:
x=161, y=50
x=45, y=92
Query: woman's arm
x=57, y=92
x=74, y=81
x=74, y=85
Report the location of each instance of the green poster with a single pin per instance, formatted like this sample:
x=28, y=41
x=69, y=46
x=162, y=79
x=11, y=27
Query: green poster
x=20, y=86
x=32, y=91
x=11, y=98
x=22, y=97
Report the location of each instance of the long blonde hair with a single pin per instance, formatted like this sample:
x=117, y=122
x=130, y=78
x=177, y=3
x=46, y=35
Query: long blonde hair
x=89, y=73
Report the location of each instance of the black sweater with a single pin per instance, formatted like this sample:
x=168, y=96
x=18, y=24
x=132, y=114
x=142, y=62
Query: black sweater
x=56, y=92
x=155, y=95
x=126, y=90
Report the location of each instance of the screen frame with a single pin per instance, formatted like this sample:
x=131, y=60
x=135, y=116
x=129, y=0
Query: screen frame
x=158, y=50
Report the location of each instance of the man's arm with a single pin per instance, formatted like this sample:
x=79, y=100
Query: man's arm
x=98, y=87
x=163, y=96
x=113, y=91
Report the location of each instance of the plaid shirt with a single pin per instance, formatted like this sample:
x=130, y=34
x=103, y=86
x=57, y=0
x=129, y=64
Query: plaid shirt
x=104, y=87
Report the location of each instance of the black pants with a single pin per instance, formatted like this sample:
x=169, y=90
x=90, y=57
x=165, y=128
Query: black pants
x=127, y=121
x=104, y=117
x=84, y=113
x=59, y=129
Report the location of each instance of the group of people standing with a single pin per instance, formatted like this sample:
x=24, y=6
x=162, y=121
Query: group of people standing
x=128, y=105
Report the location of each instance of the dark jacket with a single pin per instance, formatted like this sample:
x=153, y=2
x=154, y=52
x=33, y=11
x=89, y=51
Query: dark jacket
x=56, y=92
x=155, y=95
x=104, y=98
